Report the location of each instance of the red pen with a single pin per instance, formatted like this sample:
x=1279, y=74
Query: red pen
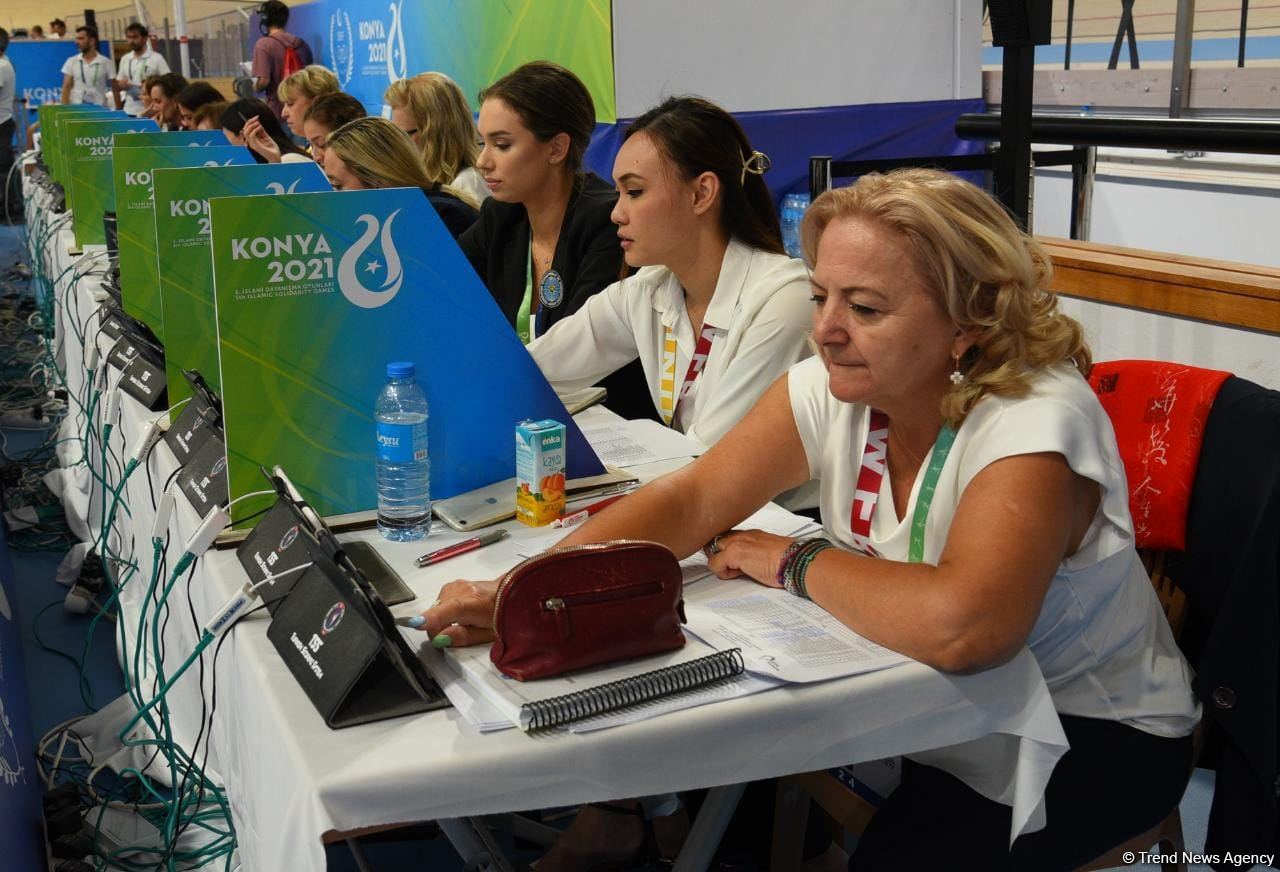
x=582, y=514
x=460, y=548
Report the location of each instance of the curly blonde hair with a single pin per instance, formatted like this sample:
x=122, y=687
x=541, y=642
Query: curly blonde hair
x=311, y=81
x=991, y=277
x=445, y=124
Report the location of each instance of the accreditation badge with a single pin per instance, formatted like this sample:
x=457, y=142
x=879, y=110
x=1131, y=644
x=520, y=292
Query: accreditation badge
x=551, y=290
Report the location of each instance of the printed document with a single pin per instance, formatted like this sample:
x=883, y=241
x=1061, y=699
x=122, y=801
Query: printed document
x=632, y=443
x=781, y=636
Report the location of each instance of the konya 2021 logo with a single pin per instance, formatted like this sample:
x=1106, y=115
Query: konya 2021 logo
x=397, y=63
x=296, y=258
x=355, y=265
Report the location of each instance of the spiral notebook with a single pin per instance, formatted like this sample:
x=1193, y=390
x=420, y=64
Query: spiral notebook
x=635, y=686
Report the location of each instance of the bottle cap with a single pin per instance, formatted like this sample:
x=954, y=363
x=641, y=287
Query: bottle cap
x=400, y=369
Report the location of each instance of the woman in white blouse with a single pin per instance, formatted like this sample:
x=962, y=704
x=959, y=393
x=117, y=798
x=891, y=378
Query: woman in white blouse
x=717, y=310
x=975, y=503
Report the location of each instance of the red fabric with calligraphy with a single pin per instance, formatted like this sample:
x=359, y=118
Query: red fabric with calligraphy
x=1158, y=410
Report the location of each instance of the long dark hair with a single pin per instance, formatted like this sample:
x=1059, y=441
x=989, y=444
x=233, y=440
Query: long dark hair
x=697, y=136
x=239, y=112
x=549, y=100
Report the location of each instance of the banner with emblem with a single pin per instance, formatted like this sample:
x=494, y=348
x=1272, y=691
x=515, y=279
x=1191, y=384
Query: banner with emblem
x=372, y=43
x=315, y=294
x=181, y=233
x=91, y=189
x=132, y=169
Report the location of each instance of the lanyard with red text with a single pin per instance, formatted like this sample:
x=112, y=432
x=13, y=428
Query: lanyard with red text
x=867, y=491
x=667, y=400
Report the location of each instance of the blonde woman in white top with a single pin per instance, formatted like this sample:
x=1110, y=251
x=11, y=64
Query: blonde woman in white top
x=975, y=504
x=717, y=310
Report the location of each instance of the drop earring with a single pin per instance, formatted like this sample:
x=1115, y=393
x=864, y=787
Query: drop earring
x=957, y=377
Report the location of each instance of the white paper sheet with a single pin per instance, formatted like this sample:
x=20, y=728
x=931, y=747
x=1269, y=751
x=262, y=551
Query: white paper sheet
x=782, y=636
x=632, y=443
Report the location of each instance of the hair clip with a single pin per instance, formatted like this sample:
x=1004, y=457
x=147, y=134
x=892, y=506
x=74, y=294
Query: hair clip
x=758, y=164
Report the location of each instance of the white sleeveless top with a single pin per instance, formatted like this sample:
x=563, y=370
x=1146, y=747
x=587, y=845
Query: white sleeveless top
x=1101, y=639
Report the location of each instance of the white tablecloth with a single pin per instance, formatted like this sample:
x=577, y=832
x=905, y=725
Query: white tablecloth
x=290, y=779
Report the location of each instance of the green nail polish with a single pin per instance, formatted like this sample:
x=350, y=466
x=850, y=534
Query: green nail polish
x=442, y=641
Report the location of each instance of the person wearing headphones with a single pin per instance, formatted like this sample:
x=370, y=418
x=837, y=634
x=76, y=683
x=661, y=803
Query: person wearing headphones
x=545, y=243
x=277, y=54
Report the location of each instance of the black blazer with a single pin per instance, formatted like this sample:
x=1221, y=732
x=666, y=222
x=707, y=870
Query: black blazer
x=457, y=216
x=588, y=259
x=1231, y=574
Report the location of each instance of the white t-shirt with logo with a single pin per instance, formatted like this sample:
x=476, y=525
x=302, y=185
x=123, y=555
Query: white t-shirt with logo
x=90, y=80
x=1101, y=639
x=136, y=68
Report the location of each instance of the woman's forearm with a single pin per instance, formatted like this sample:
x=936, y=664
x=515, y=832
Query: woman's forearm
x=666, y=511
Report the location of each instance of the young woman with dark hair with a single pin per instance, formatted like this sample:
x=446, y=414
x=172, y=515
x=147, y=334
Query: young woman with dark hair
x=545, y=243
x=192, y=97
x=326, y=114
x=717, y=311
x=251, y=123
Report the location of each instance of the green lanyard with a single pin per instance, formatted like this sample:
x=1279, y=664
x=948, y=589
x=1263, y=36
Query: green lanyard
x=937, y=458
x=526, y=305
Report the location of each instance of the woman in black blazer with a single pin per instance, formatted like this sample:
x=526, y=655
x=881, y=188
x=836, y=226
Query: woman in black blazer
x=545, y=242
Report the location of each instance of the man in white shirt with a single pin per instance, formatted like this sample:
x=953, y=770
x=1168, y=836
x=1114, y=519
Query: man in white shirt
x=57, y=29
x=143, y=61
x=8, y=89
x=87, y=76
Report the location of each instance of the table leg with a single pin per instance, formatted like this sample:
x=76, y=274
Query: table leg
x=471, y=839
x=357, y=853
x=708, y=828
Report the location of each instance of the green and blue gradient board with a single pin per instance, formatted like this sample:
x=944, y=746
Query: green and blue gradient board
x=173, y=137
x=55, y=148
x=186, y=269
x=132, y=169
x=316, y=293
x=90, y=145
x=50, y=145
x=371, y=43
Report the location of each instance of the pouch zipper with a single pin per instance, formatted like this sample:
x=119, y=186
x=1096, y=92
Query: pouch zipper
x=593, y=546
x=560, y=604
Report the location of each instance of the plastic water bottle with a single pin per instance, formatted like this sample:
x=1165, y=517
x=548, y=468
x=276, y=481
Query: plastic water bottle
x=793, y=207
x=404, y=470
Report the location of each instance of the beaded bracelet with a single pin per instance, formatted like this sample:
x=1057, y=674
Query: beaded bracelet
x=795, y=563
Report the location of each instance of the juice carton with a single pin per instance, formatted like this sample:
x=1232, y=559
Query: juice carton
x=540, y=463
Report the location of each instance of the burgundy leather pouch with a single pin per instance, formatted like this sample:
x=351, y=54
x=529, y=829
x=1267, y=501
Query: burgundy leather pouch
x=587, y=605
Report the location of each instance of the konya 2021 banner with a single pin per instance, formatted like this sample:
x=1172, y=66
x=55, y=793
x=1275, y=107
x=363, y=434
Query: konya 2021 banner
x=316, y=293
x=372, y=43
x=186, y=268
x=89, y=146
x=133, y=165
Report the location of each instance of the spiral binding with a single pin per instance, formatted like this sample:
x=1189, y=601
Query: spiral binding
x=634, y=690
